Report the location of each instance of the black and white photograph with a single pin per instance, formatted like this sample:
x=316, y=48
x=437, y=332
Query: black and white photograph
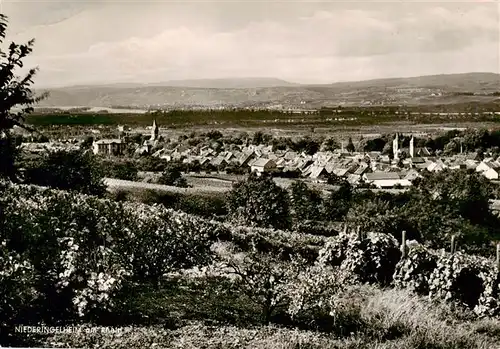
x=226, y=174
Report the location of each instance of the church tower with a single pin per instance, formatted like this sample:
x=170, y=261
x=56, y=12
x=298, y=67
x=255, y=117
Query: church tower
x=395, y=147
x=154, y=131
x=412, y=147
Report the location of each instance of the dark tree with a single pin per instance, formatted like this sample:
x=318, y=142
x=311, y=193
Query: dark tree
x=15, y=92
x=126, y=170
x=339, y=201
x=69, y=170
x=172, y=175
x=214, y=135
x=261, y=138
x=87, y=142
x=259, y=201
x=350, y=146
x=331, y=144
x=306, y=203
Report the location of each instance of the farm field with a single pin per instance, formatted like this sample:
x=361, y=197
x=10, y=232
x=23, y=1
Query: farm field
x=344, y=119
x=201, y=183
x=119, y=184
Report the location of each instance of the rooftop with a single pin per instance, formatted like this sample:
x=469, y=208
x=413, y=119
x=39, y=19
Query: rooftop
x=377, y=176
x=109, y=141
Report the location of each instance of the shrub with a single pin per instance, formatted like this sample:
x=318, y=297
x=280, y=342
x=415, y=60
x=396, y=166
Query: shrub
x=83, y=248
x=260, y=202
x=371, y=258
x=172, y=175
x=305, y=202
x=311, y=297
x=125, y=170
x=262, y=277
x=69, y=170
x=413, y=272
x=468, y=280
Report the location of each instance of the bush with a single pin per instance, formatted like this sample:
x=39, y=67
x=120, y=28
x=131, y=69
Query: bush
x=305, y=202
x=69, y=170
x=370, y=257
x=172, y=175
x=260, y=202
x=125, y=170
x=262, y=277
x=467, y=280
x=82, y=249
x=9, y=152
x=413, y=272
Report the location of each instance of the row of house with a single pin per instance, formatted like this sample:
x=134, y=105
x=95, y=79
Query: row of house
x=357, y=168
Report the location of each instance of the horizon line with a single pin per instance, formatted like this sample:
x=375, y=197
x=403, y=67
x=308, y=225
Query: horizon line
x=285, y=81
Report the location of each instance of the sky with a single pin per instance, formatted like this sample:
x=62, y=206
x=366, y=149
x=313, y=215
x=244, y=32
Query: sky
x=86, y=42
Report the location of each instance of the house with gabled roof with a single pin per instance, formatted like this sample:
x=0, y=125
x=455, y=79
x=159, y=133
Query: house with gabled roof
x=373, y=155
x=203, y=160
x=411, y=175
x=302, y=164
x=306, y=171
x=267, y=149
x=385, y=179
x=489, y=169
x=353, y=179
x=416, y=160
x=280, y=162
x=230, y=156
x=422, y=152
x=457, y=164
x=385, y=159
x=436, y=166
x=246, y=157
x=219, y=161
x=362, y=169
x=471, y=164
x=340, y=172
x=290, y=155
x=473, y=156
x=318, y=172
x=330, y=167
x=263, y=165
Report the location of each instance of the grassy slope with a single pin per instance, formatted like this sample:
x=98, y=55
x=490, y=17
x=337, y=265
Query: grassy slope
x=376, y=318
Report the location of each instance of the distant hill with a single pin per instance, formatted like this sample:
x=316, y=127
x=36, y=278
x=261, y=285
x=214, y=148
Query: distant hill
x=473, y=82
x=435, y=89
x=227, y=83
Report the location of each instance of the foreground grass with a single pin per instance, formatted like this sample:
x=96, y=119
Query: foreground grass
x=366, y=317
x=200, y=336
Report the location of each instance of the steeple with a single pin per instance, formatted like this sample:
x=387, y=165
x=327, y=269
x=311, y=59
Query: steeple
x=412, y=147
x=154, y=131
x=395, y=147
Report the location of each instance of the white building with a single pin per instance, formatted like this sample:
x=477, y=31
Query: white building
x=490, y=170
x=385, y=179
x=263, y=165
x=109, y=147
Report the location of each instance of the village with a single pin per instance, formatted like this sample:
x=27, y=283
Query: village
x=371, y=169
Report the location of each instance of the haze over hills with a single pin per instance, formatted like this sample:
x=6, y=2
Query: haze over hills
x=256, y=92
x=227, y=83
